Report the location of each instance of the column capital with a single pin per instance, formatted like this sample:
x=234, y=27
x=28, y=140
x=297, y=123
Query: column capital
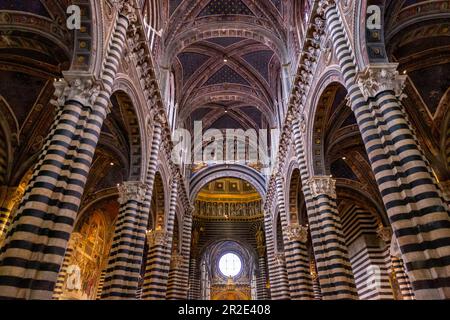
x=376, y=78
x=126, y=9
x=297, y=232
x=301, y=122
x=132, y=190
x=157, y=237
x=77, y=86
x=279, y=177
x=324, y=5
x=159, y=117
x=322, y=185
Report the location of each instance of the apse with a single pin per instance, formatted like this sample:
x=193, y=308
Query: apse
x=227, y=241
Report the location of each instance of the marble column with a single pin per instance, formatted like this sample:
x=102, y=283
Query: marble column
x=330, y=251
x=278, y=279
x=159, y=253
x=297, y=264
x=416, y=209
x=315, y=280
x=32, y=255
x=194, y=280
x=179, y=281
x=261, y=279
x=125, y=259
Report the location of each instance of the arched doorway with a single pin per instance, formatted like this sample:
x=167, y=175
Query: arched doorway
x=228, y=257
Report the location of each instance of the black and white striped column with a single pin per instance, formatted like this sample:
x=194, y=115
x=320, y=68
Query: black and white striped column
x=278, y=279
x=179, y=282
x=261, y=279
x=139, y=223
x=330, y=250
x=297, y=262
x=367, y=251
x=315, y=280
x=101, y=282
x=402, y=278
x=35, y=246
x=194, y=280
x=417, y=212
x=334, y=277
x=153, y=162
x=159, y=253
x=125, y=259
x=174, y=291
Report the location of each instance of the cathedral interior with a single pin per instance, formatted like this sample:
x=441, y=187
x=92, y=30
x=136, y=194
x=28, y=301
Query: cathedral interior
x=116, y=181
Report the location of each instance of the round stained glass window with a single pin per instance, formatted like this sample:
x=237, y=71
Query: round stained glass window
x=230, y=265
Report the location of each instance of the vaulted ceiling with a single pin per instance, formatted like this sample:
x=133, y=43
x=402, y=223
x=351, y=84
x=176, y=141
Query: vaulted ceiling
x=226, y=56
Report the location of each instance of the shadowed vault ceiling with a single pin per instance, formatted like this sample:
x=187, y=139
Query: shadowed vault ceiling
x=227, y=78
